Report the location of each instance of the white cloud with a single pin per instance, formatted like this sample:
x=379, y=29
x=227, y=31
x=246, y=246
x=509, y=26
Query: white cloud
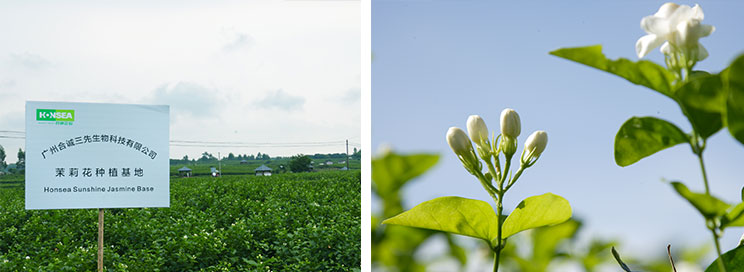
x=188, y=99
x=280, y=99
x=217, y=60
x=237, y=40
x=28, y=61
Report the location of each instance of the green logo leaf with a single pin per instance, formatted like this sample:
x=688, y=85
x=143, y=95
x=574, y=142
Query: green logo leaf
x=55, y=115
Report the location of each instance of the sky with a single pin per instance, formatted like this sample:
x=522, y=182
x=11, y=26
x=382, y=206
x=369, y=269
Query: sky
x=283, y=73
x=437, y=62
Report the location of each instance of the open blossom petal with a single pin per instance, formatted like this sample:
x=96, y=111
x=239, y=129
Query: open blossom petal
x=666, y=49
x=680, y=25
x=697, y=12
x=702, y=53
x=656, y=25
x=646, y=43
x=666, y=10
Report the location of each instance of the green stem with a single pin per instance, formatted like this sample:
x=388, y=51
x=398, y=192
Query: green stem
x=499, y=211
x=721, y=266
x=496, y=263
x=699, y=153
x=705, y=175
x=487, y=185
x=496, y=175
x=514, y=178
x=505, y=173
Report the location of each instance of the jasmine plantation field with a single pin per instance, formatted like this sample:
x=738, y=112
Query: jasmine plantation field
x=285, y=222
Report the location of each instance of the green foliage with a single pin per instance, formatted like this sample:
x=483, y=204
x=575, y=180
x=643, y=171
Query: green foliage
x=469, y=217
x=2, y=158
x=391, y=171
x=708, y=205
x=476, y=218
x=537, y=211
x=545, y=247
x=299, y=163
x=292, y=222
x=733, y=260
x=394, y=247
x=702, y=99
x=734, y=217
x=640, y=137
x=620, y=261
x=645, y=73
x=735, y=100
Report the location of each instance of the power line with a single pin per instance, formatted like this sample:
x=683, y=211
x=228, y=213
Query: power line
x=193, y=143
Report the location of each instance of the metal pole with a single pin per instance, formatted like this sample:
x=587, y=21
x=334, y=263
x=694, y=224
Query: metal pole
x=347, y=155
x=100, y=240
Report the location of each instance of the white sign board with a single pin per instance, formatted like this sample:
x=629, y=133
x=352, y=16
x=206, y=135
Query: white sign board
x=89, y=155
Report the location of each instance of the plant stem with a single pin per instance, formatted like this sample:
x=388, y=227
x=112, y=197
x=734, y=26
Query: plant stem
x=712, y=228
x=505, y=173
x=721, y=267
x=496, y=263
x=494, y=174
x=514, y=178
x=499, y=211
x=705, y=175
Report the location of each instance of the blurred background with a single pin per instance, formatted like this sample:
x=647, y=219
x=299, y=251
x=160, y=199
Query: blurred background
x=437, y=62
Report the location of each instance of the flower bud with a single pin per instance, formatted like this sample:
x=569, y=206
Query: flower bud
x=535, y=144
x=459, y=142
x=510, y=124
x=477, y=130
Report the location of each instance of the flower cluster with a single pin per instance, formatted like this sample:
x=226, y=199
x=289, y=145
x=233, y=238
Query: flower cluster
x=506, y=143
x=677, y=29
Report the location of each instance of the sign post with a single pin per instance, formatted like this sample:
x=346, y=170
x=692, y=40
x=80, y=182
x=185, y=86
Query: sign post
x=100, y=240
x=90, y=155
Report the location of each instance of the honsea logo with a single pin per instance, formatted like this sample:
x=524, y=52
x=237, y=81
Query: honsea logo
x=55, y=115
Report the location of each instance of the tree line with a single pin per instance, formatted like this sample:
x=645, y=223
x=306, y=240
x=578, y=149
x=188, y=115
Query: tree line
x=19, y=166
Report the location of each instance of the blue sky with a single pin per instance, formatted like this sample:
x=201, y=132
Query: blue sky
x=437, y=62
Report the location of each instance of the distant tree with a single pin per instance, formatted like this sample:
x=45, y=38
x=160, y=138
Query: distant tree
x=265, y=157
x=230, y=156
x=21, y=163
x=185, y=158
x=2, y=158
x=207, y=157
x=355, y=150
x=299, y=163
x=258, y=156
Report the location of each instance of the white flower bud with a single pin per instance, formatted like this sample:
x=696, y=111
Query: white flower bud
x=477, y=130
x=459, y=142
x=510, y=124
x=535, y=144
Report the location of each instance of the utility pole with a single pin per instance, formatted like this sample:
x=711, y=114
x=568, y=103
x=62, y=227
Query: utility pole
x=347, y=154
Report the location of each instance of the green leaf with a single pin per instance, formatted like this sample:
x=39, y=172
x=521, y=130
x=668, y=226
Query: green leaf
x=469, y=217
x=536, y=211
x=709, y=206
x=545, y=240
x=391, y=171
x=734, y=217
x=735, y=101
x=703, y=100
x=732, y=260
x=619, y=261
x=640, y=137
x=644, y=73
